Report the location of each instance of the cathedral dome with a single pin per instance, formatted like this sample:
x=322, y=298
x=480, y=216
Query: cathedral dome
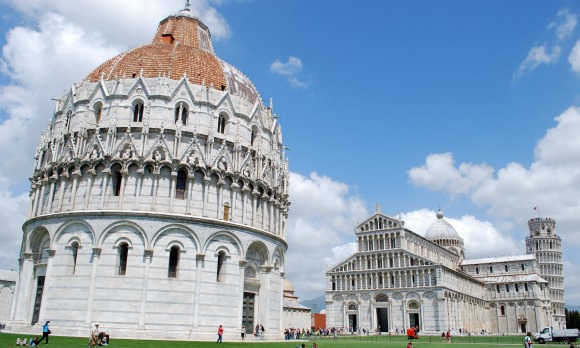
x=442, y=233
x=287, y=286
x=441, y=229
x=180, y=48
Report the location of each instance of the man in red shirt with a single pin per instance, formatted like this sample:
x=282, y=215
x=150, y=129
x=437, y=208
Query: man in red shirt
x=220, y=333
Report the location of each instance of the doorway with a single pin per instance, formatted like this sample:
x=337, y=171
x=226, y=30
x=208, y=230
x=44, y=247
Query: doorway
x=382, y=319
x=37, y=299
x=248, y=312
x=352, y=324
x=414, y=320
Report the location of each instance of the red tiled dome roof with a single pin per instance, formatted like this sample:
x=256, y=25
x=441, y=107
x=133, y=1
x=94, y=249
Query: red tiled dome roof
x=182, y=45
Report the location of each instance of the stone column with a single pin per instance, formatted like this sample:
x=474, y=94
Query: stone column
x=148, y=256
x=125, y=178
x=76, y=175
x=243, y=264
x=95, y=261
x=255, y=195
x=33, y=199
x=63, y=179
x=245, y=191
x=206, y=184
x=199, y=265
x=47, y=283
x=265, y=294
x=91, y=180
x=52, y=182
x=190, y=179
x=155, y=187
x=344, y=316
x=358, y=317
x=43, y=183
x=138, y=187
x=172, y=191
x=220, y=199
x=235, y=189
x=106, y=179
x=23, y=289
x=264, y=210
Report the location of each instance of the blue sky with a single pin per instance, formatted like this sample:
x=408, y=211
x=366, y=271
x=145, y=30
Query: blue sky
x=470, y=106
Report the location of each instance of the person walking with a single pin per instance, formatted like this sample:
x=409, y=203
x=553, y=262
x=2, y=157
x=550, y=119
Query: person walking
x=45, y=332
x=220, y=334
x=528, y=340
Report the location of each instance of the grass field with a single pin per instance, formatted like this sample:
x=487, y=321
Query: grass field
x=6, y=340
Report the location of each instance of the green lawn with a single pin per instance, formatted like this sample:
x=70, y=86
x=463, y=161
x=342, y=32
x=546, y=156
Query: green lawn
x=6, y=340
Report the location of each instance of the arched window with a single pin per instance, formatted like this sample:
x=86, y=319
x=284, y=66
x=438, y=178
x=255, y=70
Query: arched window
x=523, y=267
x=123, y=254
x=352, y=307
x=252, y=137
x=181, y=113
x=75, y=254
x=117, y=181
x=138, y=112
x=67, y=120
x=490, y=269
x=226, y=212
x=181, y=187
x=173, y=262
x=98, y=112
x=381, y=298
x=221, y=257
x=221, y=128
x=506, y=268
x=502, y=310
x=476, y=270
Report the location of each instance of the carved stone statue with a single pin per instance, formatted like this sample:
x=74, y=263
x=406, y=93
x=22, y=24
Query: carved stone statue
x=126, y=154
x=223, y=164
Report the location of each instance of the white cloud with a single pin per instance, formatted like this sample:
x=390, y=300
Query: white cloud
x=565, y=24
x=291, y=70
x=322, y=219
x=536, y=56
x=12, y=213
x=574, y=57
x=440, y=174
x=128, y=22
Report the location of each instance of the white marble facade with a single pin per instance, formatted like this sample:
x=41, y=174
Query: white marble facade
x=398, y=279
x=158, y=201
x=7, y=288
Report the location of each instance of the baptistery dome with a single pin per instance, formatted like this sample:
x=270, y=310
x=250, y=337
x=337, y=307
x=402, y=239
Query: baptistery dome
x=159, y=199
x=180, y=48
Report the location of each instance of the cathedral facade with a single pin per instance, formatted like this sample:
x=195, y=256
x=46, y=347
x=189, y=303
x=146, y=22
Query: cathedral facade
x=159, y=199
x=399, y=279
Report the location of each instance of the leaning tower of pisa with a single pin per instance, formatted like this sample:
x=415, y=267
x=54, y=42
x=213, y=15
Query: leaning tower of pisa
x=547, y=246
